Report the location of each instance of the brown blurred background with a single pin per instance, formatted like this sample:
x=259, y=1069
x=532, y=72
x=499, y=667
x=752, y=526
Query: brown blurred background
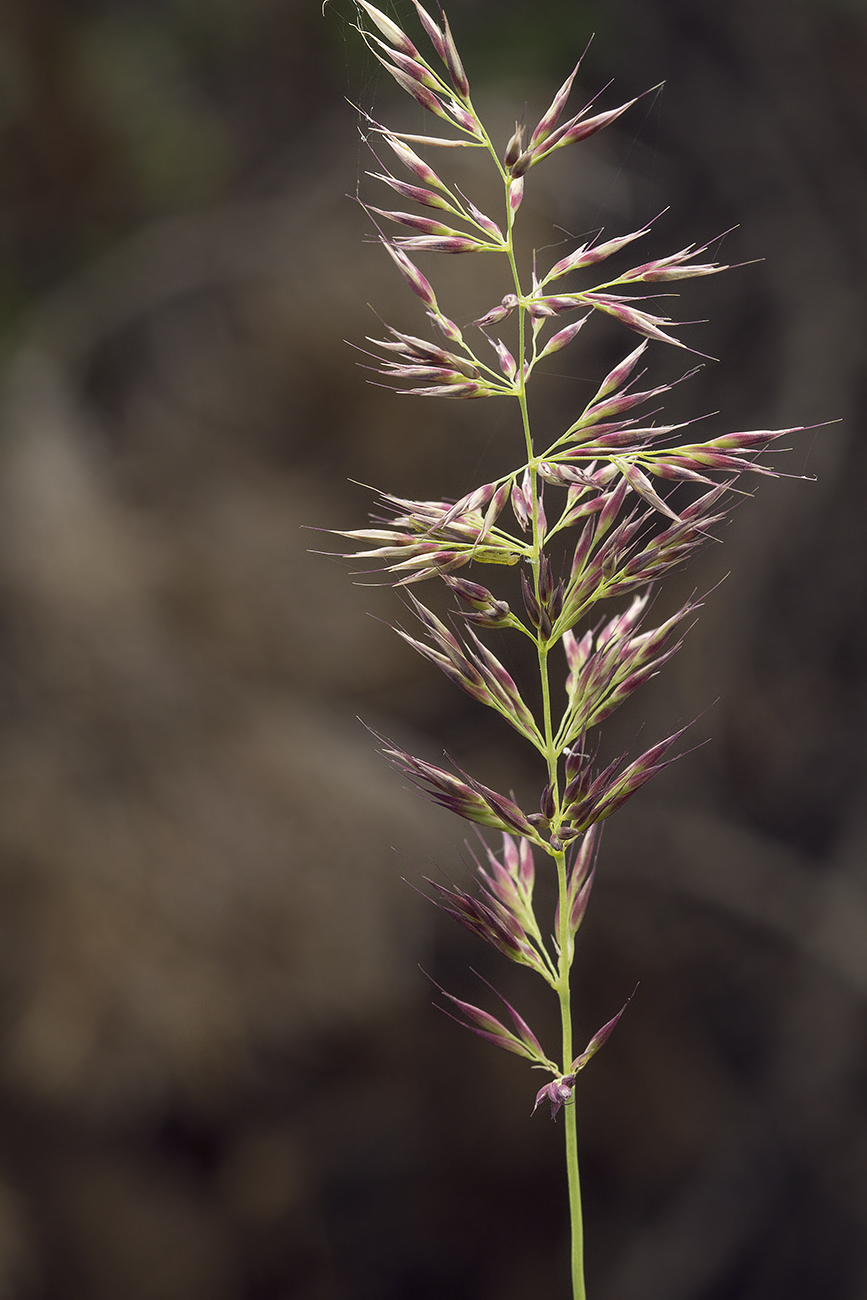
x=221, y=1077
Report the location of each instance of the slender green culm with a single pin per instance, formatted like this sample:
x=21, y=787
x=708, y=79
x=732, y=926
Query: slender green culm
x=583, y=516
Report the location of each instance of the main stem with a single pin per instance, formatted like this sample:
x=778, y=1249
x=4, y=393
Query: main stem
x=564, y=938
x=569, y=1118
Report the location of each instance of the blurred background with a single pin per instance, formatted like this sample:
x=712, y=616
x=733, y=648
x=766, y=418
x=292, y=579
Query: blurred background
x=221, y=1076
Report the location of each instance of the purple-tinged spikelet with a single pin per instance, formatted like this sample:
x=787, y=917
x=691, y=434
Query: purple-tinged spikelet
x=523, y=1043
x=551, y=116
x=559, y=1091
x=466, y=798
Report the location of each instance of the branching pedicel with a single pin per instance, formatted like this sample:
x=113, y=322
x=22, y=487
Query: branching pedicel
x=605, y=464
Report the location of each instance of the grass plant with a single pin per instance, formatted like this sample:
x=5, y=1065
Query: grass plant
x=592, y=515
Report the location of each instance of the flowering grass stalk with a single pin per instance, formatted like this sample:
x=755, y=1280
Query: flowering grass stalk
x=593, y=491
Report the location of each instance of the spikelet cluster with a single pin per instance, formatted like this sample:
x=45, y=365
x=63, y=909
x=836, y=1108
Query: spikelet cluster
x=597, y=489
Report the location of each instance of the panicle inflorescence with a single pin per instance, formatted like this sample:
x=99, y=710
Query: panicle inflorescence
x=594, y=492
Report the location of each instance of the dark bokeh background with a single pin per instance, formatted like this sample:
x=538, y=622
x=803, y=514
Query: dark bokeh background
x=220, y=1074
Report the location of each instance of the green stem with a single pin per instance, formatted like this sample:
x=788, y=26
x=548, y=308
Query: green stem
x=575, y=1214
x=551, y=753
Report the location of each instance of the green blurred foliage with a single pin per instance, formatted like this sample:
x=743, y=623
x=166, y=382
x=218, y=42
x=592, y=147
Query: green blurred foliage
x=174, y=144
x=113, y=113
